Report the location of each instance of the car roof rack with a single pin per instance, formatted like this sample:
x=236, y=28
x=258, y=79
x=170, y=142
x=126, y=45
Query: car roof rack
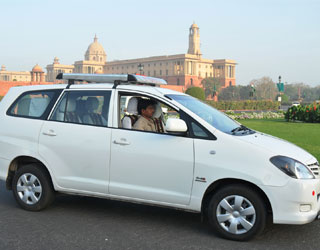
x=109, y=78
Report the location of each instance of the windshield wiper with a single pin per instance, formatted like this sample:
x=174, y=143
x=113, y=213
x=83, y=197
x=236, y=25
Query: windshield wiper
x=240, y=128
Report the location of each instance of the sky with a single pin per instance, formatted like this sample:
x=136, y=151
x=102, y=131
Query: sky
x=265, y=37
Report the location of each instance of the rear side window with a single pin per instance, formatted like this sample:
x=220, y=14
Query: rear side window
x=83, y=107
x=34, y=104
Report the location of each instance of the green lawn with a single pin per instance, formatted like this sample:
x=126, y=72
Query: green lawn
x=305, y=135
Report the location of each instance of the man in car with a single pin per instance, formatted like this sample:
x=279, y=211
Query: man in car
x=146, y=109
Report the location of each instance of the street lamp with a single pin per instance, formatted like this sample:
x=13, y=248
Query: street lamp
x=140, y=66
x=214, y=92
x=280, y=86
x=252, y=90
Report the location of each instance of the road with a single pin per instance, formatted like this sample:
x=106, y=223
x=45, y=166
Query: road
x=74, y=222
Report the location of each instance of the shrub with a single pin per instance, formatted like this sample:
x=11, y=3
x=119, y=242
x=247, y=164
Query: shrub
x=196, y=92
x=1, y=97
x=308, y=113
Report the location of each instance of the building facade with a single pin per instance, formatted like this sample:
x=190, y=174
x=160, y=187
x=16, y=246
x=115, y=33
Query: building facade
x=56, y=68
x=182, y=69
x=35, y=75
x=14, y=75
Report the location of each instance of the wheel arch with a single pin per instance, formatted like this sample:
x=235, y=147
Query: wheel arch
x=20, y=161
x=215, y=186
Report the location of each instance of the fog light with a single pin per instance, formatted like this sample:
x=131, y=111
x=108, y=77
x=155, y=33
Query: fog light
x=305, y=208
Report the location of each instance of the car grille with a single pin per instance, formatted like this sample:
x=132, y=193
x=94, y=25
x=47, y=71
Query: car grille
x=314, y=167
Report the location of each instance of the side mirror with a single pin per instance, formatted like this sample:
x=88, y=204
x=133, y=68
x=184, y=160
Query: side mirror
x=175, y=125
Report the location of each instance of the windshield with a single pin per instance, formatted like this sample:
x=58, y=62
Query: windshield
x=214, y=117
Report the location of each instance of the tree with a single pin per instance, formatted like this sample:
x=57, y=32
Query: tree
x=211, y=86
x=196, y=92
x=235, y=93
x=284, y=99
x=230, y=93
x=244, y=92
x=265, y=88
x=297, y=91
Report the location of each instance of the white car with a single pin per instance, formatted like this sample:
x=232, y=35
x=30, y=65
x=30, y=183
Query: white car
x=296, y=103
x=72, y=139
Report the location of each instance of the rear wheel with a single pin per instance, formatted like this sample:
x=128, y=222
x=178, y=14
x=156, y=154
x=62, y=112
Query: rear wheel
x=32, y=187
x=237, y=212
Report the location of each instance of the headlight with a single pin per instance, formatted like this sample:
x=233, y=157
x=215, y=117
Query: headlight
x=291, y=167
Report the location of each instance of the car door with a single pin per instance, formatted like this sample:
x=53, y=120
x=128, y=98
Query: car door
x=151, y=166
x=75, y=141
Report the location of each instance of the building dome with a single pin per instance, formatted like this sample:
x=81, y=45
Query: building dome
x=98, y=71
x=56, y=60
x=95, y=52
x=3, y=68
x=37, y=68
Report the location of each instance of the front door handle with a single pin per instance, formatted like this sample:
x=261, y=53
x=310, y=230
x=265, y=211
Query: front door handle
x=121, y=142
x=49, y=133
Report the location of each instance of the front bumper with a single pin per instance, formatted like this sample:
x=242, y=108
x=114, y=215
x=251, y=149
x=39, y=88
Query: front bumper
x=298, y=202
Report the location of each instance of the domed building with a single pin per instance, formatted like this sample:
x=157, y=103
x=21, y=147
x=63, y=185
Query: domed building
x=94, y=60
x=95, y=52
x=37, y=74
x=181, y=71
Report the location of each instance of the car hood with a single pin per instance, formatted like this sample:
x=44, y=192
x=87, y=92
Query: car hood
x=278, y=147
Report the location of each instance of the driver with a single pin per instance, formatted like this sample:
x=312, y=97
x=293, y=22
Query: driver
x=146, y=109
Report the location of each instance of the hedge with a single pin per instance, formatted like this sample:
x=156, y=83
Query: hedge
x=245, y=105
x=308, y=113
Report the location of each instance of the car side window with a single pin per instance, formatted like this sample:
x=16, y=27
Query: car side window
x=195, y=129
x=33, y=104
x=83, y=107
x=130, y=113
x=198, y=132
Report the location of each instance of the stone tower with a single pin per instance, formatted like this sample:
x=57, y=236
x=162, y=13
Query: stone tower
x=194, y=40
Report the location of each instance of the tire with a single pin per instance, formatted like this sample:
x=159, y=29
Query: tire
x=237, y=212
x=32, y=187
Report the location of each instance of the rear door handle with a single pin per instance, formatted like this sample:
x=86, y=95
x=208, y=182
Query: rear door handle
x=121, y=142
x=49, y=133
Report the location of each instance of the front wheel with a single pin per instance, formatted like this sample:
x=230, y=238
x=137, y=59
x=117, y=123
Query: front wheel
x=32, y=187
x=237, y=212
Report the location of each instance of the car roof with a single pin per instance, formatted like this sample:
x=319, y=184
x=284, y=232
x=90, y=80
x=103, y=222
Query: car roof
x=130, y=87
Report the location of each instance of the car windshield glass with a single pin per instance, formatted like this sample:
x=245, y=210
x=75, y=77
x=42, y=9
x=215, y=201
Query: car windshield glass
x=214, y=117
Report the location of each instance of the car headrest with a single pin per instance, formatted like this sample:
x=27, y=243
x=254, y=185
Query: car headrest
x=92, y=104
x=133, y=106
x=71, y=105
x=157, y=111
x=62, y=105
